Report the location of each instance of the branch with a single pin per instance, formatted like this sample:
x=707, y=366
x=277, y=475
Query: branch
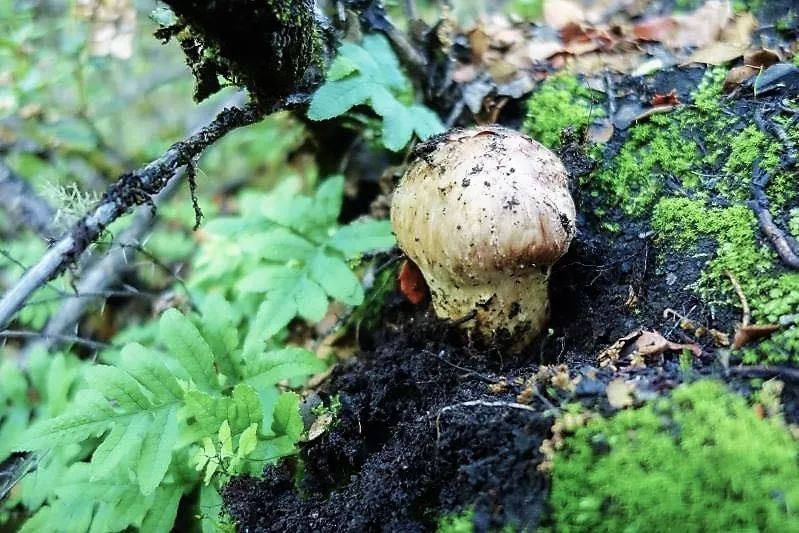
x=19, y=199
x=131, y=189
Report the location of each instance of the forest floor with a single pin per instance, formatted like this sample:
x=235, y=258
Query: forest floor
x=668, y=254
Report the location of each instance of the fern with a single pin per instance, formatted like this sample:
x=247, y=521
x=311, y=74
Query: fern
x=370, y=74
x=287, y=256
x=146, y=417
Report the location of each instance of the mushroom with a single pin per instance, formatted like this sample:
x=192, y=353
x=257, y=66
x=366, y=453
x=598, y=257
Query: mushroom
x=485, y=213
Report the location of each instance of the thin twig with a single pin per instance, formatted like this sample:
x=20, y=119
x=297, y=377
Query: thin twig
x=69, y=339
x=134, y=188
x=786, y=372
x=785, y=245
x=483, y=403
x=745, y=316
x=469, y=371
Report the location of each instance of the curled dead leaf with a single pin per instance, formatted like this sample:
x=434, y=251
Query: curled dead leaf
x=642, y=344
x=412, y=283
x=748, y=333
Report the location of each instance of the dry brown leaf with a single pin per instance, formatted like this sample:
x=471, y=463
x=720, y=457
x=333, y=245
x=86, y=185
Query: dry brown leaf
x=717, y=53
x=641, y=344
x=560, y=13
x=701, y=27
x=762, y=57
x=655, y=29
x=620, y=394
x=669, y=98
x=747, y=333
x=738, y=75
x=600, y=131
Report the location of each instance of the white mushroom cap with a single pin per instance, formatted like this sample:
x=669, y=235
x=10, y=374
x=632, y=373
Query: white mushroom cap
x=484, y=213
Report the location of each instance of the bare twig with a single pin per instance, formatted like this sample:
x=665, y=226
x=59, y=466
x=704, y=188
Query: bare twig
x=745, y=316
x=131, y=189
x=469, y=371
x=19, y=199
x=73, y=339
x=785, y=372
x=785, y=245
x=483, y=403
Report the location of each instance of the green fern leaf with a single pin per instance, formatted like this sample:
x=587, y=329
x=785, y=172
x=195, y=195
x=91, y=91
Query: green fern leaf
x=187, y=346
x=151, y=373
x=245, y=409
x=335, y=276
x=122, y=442
x=161, y=515
x=363, y=236
x=273, y=315
x=272, y=367
x=118, y=386
x=156, y=450
x=91, y=415
x=286, y=418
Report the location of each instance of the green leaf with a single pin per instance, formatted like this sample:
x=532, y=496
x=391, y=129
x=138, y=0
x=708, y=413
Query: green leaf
x=425, y=122
x=311, y=300
x=341, y=67
x=121, y=444
x=336, y=278
x=397, y=121
x=273, y=315
x=187, y=346
x=286, y=419
x=150, y=371
x=219, y=329
x=161, y=516
x=209, y=411
x=328, y=199
x=363, y=236
x=246, y=408
x=225, y=441
x=337, y=97
x=281, y=244
x=269, y=278
x=118, y=386
x=156, y=450
x=269, y=368
x=247, y=441
x=389, y=71
x=210, y=509
x=90, y=416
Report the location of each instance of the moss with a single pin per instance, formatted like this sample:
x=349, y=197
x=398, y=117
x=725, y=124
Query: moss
x=771, y=292
x=560, y=102
x=699, y=461
x=526, y=9
x=457, y=523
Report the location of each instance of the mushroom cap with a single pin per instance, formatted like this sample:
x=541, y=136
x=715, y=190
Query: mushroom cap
x=480, y=201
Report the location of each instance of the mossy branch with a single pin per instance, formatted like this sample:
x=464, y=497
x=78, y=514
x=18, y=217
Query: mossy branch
x=268, y=46
x=131, y=189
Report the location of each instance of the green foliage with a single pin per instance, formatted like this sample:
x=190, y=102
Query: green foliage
x=144, y=421
x=287, y=256
x=457, y=523
x=370, y=74
x=559, y=103
x=700, y=460
x=527, y=9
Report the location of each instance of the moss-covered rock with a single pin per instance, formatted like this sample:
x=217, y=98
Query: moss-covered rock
x=700, y=460
x=560, y=102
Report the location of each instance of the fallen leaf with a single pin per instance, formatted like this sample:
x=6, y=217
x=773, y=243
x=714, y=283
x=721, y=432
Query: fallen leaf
x=762, y=57
x=559, y=13
x=641, y=344
x=655, y=29
x=620, y=394
x=737, y=75
x=669, y=98
x=412, y=283
x=600, y=131
x=718, y=53
x=748, y=333
x=700, y=27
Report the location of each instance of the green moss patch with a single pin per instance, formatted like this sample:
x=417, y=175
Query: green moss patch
x=698, y=461
x=560, y=102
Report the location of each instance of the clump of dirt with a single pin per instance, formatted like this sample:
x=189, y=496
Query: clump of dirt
x=415, y=436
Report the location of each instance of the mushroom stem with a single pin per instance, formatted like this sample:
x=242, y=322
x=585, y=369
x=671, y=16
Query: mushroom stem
x=519, y=303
